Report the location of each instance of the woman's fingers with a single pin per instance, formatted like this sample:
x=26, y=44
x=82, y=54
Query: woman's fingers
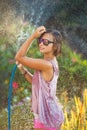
x=17, y=62
x=40, y=30
x=19, y=65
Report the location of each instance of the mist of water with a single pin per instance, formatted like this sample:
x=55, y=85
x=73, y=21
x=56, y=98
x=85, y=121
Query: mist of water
x=26, y=16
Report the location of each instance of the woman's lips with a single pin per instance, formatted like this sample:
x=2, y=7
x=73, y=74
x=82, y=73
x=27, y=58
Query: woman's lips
x=41, y=48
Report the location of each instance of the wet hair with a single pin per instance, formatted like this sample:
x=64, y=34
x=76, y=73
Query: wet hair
x=57, y=39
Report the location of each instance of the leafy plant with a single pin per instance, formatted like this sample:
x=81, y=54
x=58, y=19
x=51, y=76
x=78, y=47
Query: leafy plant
x=76, y=119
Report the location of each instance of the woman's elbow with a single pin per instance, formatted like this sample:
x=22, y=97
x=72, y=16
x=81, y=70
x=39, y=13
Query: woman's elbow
x=17, y=57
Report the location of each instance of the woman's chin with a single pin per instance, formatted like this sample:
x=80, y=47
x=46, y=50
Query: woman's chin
x=42, y=51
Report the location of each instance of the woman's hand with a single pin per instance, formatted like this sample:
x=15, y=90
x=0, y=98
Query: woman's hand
x=40, y=30
x=20, y=67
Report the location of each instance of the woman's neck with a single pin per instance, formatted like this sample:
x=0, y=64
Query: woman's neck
x=49, y=57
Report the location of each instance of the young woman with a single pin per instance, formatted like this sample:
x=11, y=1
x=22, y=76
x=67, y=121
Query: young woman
x=47, y=111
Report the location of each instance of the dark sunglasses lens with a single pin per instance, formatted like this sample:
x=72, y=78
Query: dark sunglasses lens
x=45, y=42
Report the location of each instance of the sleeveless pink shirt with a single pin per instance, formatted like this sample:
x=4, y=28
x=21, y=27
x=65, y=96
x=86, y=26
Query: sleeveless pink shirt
x=44, y=100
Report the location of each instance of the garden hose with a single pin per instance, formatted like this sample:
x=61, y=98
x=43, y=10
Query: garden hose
x=9, y=97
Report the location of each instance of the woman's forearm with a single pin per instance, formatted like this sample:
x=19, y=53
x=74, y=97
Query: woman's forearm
x=24, y=48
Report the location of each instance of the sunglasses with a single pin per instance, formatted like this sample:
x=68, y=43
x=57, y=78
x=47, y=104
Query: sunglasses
x=46, y=42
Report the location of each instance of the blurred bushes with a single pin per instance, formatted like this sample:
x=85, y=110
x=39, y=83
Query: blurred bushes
x=73, y=72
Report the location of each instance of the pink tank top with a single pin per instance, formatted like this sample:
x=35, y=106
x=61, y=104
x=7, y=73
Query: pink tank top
x=44, y=100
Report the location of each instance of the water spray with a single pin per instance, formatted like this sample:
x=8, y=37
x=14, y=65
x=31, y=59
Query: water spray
x=9, y=97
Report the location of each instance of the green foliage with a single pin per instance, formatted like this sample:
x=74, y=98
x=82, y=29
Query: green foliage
x=73, y=72
x=75, y=118
x=8, y=49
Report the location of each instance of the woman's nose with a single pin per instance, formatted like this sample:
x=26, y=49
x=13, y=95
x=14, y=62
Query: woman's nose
x=41, y=43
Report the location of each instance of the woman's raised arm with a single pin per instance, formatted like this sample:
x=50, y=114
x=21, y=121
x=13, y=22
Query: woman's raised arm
x=21, y=57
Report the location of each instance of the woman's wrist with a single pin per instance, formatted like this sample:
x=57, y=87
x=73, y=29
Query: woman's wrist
x=25, y=72
x=22, y=69
x=33, y=36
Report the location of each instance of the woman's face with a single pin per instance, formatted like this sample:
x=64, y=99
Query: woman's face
x=46, y=48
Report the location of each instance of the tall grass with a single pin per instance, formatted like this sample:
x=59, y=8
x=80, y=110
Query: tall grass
x=76, y=119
